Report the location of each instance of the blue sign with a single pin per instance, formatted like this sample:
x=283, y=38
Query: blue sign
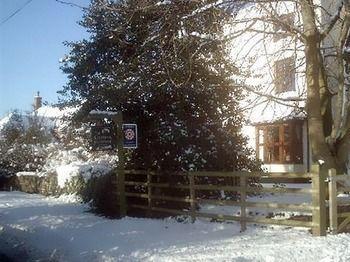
x=129, y=135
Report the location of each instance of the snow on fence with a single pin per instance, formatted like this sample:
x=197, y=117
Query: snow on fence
x=193, y=184
x=338, y=184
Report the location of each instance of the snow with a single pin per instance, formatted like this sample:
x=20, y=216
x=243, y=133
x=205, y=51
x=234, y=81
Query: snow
x=49, y=117
x=4, y=121
x=60, y=229
x=28, y=173
x=51, y=112
x=99, y=112
x=71, y=163
x=321, y=162
x=52, y=117
x=66, y=172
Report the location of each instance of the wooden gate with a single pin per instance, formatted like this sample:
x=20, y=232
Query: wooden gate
x=339, y=209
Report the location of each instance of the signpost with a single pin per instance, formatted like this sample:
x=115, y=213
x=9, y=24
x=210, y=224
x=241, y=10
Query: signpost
x=107, y=133
x=129, y=135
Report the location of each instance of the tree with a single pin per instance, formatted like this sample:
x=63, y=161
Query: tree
x=23, y=143
x=165, y=66
x=14, y=128
x=319, y=39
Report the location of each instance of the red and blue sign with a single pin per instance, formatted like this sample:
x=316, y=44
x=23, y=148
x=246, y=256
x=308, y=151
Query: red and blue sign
x=129, y=135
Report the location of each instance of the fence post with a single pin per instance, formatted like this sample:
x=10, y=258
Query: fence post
x=192, y=197
x=318, y=201
x=243, y=195
x=333, y=212
x=149, y=192
x=121, y=166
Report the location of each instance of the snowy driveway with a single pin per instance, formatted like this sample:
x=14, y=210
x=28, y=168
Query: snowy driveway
x=35, y=227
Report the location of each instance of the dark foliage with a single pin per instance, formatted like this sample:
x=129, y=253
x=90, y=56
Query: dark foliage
x=100, y=191
x=163, y=65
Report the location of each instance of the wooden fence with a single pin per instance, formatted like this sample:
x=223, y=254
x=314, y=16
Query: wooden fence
x=339, y=210
x=194, y=184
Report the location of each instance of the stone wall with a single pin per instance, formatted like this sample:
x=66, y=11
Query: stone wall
x=46, y=185
x=29, y=184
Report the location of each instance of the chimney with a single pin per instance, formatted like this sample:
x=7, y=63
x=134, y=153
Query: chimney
x=37, y=101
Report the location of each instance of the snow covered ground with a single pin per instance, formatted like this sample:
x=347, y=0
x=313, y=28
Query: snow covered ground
x=33, y=227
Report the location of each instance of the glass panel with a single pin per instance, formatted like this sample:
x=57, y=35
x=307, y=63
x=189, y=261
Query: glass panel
x=273, y=134
x=287, y=154
x=261, y=153
x=299, y=158
x=298, y=132
x=261, y=136
x=276, y=153
x=269, y=157
x=284, y=75
x=286, y=133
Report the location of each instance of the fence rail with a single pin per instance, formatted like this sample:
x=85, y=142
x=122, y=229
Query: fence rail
x=225, y=174
x=193, y=182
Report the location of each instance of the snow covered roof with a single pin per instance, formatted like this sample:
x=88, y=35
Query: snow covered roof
x=283, y=118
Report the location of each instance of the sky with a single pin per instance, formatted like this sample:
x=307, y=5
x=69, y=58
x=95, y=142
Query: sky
x=31, y=44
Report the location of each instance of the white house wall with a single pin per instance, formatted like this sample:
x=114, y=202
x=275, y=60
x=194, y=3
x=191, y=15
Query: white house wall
x=255, y=54
x=331, y=40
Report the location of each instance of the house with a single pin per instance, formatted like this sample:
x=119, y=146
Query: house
x=272, y=62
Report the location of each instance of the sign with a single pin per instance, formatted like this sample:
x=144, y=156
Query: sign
x=129, y=135
x=102, y=137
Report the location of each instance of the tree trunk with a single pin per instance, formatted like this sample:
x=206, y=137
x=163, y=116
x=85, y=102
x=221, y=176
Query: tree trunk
x=319, y=147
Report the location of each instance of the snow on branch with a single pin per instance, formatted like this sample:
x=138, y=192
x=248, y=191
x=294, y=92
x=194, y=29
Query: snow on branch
x=99, y=112
x=272, y=97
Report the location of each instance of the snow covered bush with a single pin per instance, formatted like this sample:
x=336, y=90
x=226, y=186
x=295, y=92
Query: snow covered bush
x=23, y=141
x=49, y=153
x=22, y=157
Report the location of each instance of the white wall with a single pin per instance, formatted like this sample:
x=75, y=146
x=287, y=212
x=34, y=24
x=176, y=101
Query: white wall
x=255, y=54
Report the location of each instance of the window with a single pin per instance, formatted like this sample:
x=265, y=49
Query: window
x=280, y=143
x=284, y=75
x=281, y=28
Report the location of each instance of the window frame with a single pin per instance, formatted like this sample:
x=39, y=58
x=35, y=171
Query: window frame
x=284, y=75
x=289, y=149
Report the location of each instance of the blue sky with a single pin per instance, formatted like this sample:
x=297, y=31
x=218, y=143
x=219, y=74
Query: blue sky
x=30, y=49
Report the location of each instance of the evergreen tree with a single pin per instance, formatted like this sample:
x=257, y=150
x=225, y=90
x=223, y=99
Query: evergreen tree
x=14, y=128
x=164, y=65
